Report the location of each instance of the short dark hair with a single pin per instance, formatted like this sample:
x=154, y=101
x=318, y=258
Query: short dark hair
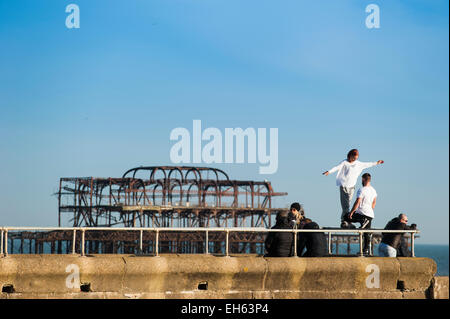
x=352, y=153
x=281, y=215
x=299, y=208
x=296, y=206
x=367, y=176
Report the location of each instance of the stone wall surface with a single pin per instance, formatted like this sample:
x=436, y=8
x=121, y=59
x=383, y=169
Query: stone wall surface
x=206, y=276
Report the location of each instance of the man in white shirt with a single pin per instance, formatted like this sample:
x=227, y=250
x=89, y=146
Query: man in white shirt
x=348, y=172
x=362, y=210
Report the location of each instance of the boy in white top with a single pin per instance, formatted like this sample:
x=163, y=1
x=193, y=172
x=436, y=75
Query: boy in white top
x=366, y=199
x=362, y=210
x=348, y=172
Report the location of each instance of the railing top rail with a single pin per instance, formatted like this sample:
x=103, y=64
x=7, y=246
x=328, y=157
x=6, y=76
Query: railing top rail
x=204, y=229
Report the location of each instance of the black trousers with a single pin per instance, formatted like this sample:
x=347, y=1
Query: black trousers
x=366, y=223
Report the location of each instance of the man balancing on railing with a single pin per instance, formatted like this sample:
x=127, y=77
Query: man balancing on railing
x=347, y=174
x=362, y=211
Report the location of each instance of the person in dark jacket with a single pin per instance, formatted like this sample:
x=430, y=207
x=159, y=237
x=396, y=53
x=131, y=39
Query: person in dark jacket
x=315, y=243
x=296, y=214
x=390, y=242
x=280, y=244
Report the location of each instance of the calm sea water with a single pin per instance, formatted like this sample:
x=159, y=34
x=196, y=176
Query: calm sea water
x=437, y=252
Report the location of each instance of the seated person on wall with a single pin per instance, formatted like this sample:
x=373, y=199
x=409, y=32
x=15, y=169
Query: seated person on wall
x=296, y=214
x=391, y=242
x=315, y=243
x=280, y=244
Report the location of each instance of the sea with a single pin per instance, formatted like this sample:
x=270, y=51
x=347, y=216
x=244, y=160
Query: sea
x=439, y=253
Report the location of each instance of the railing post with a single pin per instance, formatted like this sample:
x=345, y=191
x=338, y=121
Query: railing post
x=157, y=243
x=329, y=243
x=360, y=243
x=140, y=240
x=82, y=242
x=5, y=234
x=412, y=244
x=1, y=242
x=226, y=243
x=295, y=244
x=74, y=238
x=206, y=243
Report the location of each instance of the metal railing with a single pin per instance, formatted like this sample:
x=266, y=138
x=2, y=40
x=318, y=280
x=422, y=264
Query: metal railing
x=227, y=230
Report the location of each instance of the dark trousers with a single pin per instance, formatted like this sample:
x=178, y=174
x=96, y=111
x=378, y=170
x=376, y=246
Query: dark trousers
x=366, y=223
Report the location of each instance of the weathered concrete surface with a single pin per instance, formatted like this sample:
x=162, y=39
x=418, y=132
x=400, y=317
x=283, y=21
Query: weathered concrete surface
x=410, y=267
x=439, y=288
x=184, y=276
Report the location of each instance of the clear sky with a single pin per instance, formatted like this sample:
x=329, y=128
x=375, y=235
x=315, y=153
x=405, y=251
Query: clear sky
x=103, y=98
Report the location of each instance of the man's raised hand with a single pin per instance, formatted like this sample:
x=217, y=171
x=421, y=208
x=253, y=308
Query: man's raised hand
x=325, y=173
x=380, y=162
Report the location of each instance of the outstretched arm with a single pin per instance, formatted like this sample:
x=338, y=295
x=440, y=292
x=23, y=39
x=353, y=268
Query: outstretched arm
x=370, y=164
x=334, y=169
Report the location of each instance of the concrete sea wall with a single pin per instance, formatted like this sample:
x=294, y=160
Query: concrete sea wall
x=206, y=276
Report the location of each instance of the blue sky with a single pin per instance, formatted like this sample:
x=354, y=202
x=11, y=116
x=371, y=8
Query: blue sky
x=98, y=100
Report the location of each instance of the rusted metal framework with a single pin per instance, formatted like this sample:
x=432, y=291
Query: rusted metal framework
x=158, y=196
x=166, y=196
